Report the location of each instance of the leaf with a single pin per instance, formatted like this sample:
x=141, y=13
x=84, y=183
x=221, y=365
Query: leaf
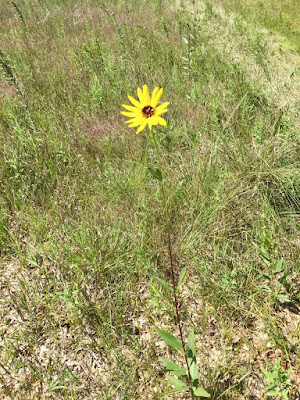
x=279, y=267
x=173, y=367
x=267, y=242
x=264, y=274
x=163, y=284
x=191, y=342
x=171, y=340
x=156, y=173
x=192, y=359
x=179, y=386
x=272, y=393
x=265, y=256
x=283, y=297
x=181, y=276
x=265, y=288
x=201, y=392
x=194, y=374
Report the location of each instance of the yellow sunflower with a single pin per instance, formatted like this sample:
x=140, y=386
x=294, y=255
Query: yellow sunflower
x=146, y=110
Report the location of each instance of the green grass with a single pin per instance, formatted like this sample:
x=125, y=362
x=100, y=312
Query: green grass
x=280, y=17
x=81, y=227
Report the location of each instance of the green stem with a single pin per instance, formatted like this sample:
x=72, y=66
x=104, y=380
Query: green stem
x=167, y=221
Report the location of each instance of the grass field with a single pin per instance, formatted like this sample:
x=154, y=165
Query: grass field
x=82, y=230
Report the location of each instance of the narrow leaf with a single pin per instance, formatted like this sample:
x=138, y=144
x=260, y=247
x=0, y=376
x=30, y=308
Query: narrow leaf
x=163, y=284
x=265, y=288
x=267, y=242
x=264, y=274
x=191, y=342
x=192, y=359
x=194, y=373
x=201, y=392
x=173, y=367
x=159, y=174
x=181, y=276
x=178, y=385
x=156, y=173
x=279, y=267
x=171, y=340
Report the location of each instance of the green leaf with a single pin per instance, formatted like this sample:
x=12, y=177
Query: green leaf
x=265, y=288
x=201, y=392
x=267, y=242
x=194, y=374
x=264, y=274
x=279, y=267
x=191, y=342
x=181, y=276
x=163, y=284
x=192, y=359
x=173, y=367
x=156, y=173
x=265, y=256
x=179, y=386
x=272, y=393
x=283, y=297
x=171, y=340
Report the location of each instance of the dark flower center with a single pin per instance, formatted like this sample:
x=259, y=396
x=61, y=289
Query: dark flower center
x=148, y=111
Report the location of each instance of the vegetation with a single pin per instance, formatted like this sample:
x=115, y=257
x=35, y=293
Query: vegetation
x=280, y=17
x=83, y=241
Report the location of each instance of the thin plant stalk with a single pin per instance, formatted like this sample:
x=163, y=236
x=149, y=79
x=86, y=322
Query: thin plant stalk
x=175, y=298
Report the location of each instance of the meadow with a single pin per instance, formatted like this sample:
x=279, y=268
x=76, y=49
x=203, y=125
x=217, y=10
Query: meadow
x=82, y=231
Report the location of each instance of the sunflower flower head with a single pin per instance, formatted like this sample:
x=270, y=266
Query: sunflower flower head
x=145, y=111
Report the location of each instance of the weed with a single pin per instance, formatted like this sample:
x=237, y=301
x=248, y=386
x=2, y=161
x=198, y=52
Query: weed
x=276, y=274
x=278, y=381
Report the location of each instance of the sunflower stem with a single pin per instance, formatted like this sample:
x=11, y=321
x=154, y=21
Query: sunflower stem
x=175, y=297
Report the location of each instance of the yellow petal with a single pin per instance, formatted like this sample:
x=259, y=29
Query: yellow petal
x=156, y=99
x=130, y=114
x=130, y=108
x=161, y=121
x=140, y=95
x=146, y=95
x=153, y=120
x=135, y=102
x=129, y=121
x=164, y=105
x=142, y=126
x=162, y=108
x=150, y=123
x=162, y=112
x=137, y=122
x=154, y=93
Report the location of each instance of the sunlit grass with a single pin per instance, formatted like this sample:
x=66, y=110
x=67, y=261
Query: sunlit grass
x=281, y=17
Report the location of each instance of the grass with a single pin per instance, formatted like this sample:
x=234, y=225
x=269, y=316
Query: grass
x=81, y=226
x=280, y=17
